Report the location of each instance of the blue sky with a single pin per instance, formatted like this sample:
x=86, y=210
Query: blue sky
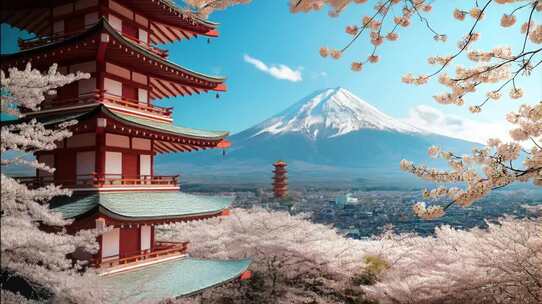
x=266, y=31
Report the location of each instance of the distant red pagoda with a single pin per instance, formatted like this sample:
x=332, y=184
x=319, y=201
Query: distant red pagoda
x=280, y=180
x=109, y=160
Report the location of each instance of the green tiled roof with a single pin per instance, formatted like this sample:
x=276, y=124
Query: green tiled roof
x=141, y=205
x=170, y=128
x=47, y=120
x=80, y=114
x=172, y=279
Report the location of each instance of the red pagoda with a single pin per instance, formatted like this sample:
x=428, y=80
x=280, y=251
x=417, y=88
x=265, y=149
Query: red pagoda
x=109, y=160
x=280, y=180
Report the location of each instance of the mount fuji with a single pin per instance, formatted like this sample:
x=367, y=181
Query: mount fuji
x=330, y=113
x=331, y=134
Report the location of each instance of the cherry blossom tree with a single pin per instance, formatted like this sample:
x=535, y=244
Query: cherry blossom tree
x=30, y=255
x=204, y=8
x=500, y=264
x=297, y=261
x=294, y=260
x=493, y=71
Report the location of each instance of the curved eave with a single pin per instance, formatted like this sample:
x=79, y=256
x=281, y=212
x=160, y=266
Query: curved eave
x=172, y=8
x=41, y=48
x=123, y=217
x=141, y=50
x=188, y=133
x=218, y=81
x=177, y=278
x=164, y=11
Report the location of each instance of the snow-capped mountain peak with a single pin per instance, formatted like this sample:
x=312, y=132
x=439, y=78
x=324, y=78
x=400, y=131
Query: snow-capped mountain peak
x=329, y=113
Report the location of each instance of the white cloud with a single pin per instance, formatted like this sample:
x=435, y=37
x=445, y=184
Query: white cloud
x=315, y=75
x=435, y=121
x=279, y=71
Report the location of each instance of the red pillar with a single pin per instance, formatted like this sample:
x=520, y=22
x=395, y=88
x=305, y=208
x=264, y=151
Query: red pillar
x=101, y=123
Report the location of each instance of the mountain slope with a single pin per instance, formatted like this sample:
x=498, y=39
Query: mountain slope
x=331, y=133
x=330, y=113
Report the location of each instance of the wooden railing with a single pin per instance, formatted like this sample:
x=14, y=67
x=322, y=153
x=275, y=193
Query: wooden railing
x=135, y=104
x=160, y=249
x=97, y=96
x=100, y=181
x=113, y=180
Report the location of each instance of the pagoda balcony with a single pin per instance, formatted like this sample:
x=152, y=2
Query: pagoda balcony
x=160, y=251
x=34, y=42
x=106, y=98
x=104, y=182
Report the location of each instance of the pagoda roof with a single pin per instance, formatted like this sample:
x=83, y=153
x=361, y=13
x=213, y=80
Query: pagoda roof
x=138, y=122
x=171, y=128
x=137, y=206
x=174, y=23
x=169, y=22
x=171, y=279
x=172, y=79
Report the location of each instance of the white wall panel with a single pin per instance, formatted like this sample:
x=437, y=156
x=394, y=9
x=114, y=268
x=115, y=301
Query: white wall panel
x=91, y=19
x=141, y=143
x=113, y=164
x=86, y=86
x=142, y=96
x=145, y=237
x=110, y=243
x=143, y=35
x=115, y=22
x=144, y=164
x=58, y=27
x=113, y=87
x=81, y=140
x=115, y=140
x=85, y=163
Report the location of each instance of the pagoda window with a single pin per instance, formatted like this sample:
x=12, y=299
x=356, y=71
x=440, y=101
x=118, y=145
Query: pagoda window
x=142, y=96
x=58, y=27
x=115, y=22
x=117, y=70
x=81, y=140
x=139, y=78
x=82, y=4
x=145, y=237
x=141, y=20
x=87, y=86
x=113, y=87
x=91, y=19
x=145, y=165
x=113, y=164
x=48, y=160
x=110, y=243
x=143, y=36
x=115, y=140
x=85, y=165
x=141, y=143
